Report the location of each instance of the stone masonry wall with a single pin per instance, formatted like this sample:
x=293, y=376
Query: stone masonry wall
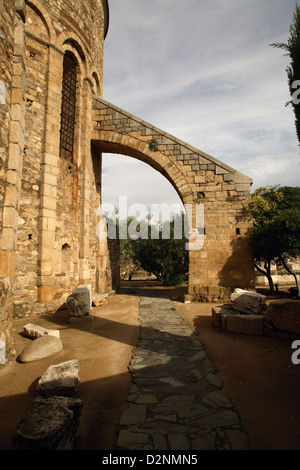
x=45, y=213
x=53, y=251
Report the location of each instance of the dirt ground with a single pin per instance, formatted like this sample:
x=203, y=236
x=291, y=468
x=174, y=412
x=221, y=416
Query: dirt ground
x=257, y=372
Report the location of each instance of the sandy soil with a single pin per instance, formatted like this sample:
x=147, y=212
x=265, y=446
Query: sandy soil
x=257, y=373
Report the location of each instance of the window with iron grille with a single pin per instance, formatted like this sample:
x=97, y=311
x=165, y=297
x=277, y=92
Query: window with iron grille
x=68, y=107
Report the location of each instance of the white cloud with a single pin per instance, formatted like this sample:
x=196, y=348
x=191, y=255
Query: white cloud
x=204, y=72
x=126, y=176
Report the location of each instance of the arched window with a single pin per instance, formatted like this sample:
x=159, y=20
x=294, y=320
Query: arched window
x=68, y=107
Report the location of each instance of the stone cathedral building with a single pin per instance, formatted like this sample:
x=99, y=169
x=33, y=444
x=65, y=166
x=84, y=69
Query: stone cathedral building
x=54, y=126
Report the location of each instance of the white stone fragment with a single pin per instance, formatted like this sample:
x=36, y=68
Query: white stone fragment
x=247, y=302
x=35, y=331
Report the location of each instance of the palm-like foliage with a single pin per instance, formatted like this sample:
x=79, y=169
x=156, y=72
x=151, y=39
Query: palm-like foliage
x=292, y=47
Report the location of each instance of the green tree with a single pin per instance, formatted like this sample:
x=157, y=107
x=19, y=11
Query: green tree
x=166, y=256
x=276, y=227
x=293, y=70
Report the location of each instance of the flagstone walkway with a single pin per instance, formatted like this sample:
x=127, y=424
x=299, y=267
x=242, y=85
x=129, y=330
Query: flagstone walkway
x=176, y=401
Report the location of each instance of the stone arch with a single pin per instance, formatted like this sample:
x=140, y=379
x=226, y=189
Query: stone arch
x=71, y=44
x=111, y=142
x=96, y=84
x=76, y=48
x=41, y=11
x=220, y=255
x=70, y=41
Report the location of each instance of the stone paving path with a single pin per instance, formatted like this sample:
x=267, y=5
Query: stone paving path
x=176, y=401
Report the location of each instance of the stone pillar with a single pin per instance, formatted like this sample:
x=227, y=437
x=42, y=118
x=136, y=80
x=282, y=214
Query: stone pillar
x=15, y=105
x=86, y=174
x=15, y=155
x=50, y=168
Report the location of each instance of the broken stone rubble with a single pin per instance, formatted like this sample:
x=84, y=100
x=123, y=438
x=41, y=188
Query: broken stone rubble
x=245, y=314
x=248, y=314
x=99, y=300
x=51, y=422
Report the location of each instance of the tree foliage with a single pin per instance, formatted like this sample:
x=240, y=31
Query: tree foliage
x=165, y=257
x=275, y=235
x=292, y=47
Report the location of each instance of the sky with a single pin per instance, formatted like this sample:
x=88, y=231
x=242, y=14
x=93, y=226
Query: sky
x=203, y=71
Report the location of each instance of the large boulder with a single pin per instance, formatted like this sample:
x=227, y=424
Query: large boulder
x=48, y=424
x=284, y=315
x=248, y=302
x=60, y=379
x=40, y=348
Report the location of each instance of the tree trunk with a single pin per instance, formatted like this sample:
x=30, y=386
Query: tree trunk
x=267, y=273
x=288, y=269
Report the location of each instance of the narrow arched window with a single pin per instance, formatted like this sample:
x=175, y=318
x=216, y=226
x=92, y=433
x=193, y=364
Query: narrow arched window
x=68, y=107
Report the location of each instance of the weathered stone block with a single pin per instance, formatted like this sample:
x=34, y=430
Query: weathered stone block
x=219, y=315
x=226, y=318
x=60, y=379
x=49, y=424
x=248, y=324
x=80, y=301
x=284, y=315
x=247, y=302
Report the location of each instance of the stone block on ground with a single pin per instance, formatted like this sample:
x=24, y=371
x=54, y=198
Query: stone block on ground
x=246, y=324
x=49, y=424
x=248, y=302
x=284, y=315
x=60, y=379
x=226, y=318
x=35, y=331
x=219, y=315
x=40, y=348
x=80, y=301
